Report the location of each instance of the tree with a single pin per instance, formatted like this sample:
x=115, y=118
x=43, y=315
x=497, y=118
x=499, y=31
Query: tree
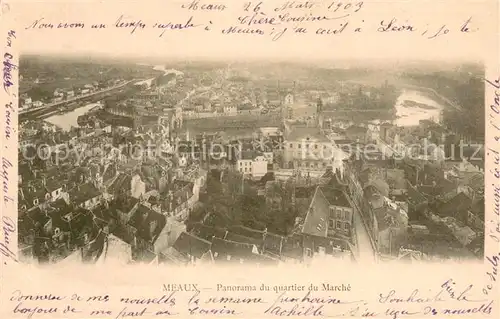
x=214, y=186
x=380, y=185
x=233, y=182
x=280, y=216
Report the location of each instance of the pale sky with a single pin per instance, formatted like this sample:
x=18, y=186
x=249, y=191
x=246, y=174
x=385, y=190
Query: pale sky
x=198, y=43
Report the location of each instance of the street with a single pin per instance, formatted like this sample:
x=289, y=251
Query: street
x=366, y=251
x=76, y=98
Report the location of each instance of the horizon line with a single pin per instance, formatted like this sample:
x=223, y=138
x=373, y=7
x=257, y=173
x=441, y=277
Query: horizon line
x=228, y=60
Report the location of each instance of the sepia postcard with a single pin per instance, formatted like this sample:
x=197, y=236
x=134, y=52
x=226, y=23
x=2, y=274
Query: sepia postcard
x=250, y=159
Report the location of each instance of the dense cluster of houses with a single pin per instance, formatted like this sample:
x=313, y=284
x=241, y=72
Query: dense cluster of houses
x=88, y=195
x=430, y=205
x=67, y=203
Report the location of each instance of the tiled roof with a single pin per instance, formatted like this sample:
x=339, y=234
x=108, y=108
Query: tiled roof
x=29, y=194
x=38, y=217
x=330, y=244
x=81, y=222
x=248, y=232
x=120, y=184
x=477, y=181
x=248, y=155
x=83, y=193
x=109, y=173
x=478, y=208
x=208, y=232
x=458, y=203
x=335, y=196
x=299, y=134
x=316, y=221
x=273, y=243
x=390, y=216
x=223, y=250
x=60, y=204
x=124, y=204
x=229, y=251
x=353, y=129
x=148, y=223
x=243, y=239
x=52, y=184
x=189, y=244
x=182, y=191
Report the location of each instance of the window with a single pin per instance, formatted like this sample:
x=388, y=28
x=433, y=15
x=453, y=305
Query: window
x=346, y=226
x=299, y=145
x=338, y=213
x=330, y=223
x=332, y=212
x=338, y=225
x=241, y=164
x=291, y=145
x=315, y=146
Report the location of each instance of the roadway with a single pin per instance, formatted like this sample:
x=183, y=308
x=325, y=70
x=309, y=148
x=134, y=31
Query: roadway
x=76, y=98
x=388, y=150
x=366, y=250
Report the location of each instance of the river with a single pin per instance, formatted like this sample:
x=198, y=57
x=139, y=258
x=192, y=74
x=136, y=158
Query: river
x=406, y=115
x=167, y=71
x=67, y=120
x=411, y=115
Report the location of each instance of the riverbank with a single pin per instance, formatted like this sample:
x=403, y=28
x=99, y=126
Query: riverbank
x=412, y=106
x=67, y=120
